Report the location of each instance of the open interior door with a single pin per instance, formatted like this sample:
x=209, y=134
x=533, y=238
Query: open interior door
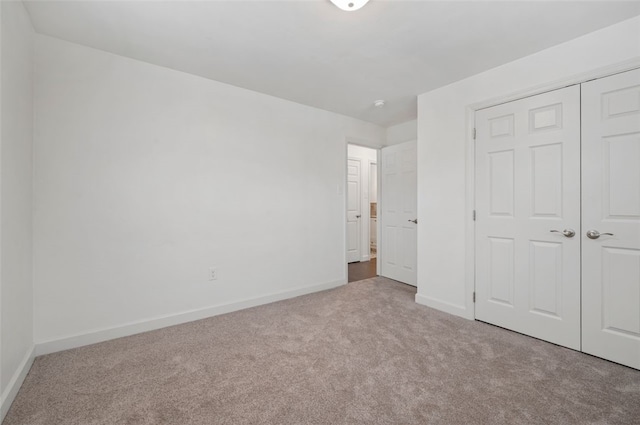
x=398, y=213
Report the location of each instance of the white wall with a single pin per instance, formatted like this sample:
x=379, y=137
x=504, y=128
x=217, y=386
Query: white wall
x=401, y=133
x=16, y=135
x=145, y=177
x=366, y=157
x=445, y=280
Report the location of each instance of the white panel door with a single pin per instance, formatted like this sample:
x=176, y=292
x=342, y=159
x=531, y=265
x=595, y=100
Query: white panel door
x=354, y=210
x=611, y=204
x=527, y=194
x=397, y=213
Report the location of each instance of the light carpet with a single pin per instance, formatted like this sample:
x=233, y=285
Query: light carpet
x=363, y=353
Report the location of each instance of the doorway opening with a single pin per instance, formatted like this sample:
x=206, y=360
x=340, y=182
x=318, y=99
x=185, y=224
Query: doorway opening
x=362, y=209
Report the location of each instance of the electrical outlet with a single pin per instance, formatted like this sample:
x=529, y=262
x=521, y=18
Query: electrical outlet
x=213, y=273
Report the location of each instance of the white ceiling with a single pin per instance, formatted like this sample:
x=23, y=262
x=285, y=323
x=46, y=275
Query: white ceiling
x=310, y=52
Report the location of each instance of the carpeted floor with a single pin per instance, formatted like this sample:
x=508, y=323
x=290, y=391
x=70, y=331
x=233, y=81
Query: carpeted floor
x=364, y=353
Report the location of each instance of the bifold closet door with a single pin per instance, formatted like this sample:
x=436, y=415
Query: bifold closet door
x=611, y=213
x=528, y=216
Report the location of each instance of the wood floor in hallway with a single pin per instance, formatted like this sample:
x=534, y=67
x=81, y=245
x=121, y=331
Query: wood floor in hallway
x=362, y=270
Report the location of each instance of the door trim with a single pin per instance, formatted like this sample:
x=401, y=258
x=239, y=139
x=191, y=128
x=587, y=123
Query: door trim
x=359, y=221
x=470, y=237
x=342, y=186
x=368, y=210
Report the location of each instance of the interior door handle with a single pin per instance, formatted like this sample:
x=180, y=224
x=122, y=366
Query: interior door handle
x=414, y=221
x=358, y=216
x=569, y=233
x=594, y=234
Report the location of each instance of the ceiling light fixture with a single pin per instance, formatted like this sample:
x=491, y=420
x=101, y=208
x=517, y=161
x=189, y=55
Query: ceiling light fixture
x=349, y=5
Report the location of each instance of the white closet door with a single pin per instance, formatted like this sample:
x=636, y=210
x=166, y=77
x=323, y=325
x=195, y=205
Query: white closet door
x=611, y=204
x=527, y=188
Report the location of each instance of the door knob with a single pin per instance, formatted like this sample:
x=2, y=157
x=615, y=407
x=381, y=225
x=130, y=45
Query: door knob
x=414, y=221
x=358, y=216
x=569, y=233
x=594, y=234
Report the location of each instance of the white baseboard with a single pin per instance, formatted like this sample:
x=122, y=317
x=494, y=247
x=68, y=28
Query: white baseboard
x=100, y=335
x=456, y=310
x=15, y=383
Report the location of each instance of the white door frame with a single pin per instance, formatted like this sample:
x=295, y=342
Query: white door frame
x=371, y=163
x=470, y=255
x=343, y=186
x=358, y=222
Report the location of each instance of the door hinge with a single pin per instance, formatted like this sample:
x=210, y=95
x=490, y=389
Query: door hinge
x=474, y=297
x=474, y=134
x=474, y=215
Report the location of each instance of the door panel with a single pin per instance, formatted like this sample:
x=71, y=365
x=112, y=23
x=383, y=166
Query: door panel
x=546, y=173
x=501, y=183
x=611, y=204
x=397, y=209
x=545, y=278
x=501, y=270
x=354, y=210
x=528, y=184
